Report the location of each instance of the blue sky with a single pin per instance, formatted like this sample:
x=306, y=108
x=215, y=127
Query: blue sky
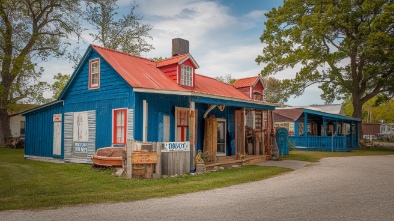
x=223, y=37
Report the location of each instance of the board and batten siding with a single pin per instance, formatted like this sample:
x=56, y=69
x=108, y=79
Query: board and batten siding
x=112, y=85
x=158, y=105
x=39, y=131
x=114, y=93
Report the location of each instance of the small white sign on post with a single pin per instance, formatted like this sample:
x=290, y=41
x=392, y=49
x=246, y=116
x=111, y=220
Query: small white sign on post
x=175, y=146
x=57, y=117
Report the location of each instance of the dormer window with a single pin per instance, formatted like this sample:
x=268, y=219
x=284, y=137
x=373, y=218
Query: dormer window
x=186, y=76
x=94, y=74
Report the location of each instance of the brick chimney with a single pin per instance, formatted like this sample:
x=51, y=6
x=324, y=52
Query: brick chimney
x=179, y=46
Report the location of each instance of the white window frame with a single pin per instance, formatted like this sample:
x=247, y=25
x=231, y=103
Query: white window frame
x=94, y=72
x=186, y=75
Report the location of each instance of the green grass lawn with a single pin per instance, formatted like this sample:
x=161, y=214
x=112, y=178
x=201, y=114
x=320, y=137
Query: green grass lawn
x=29, y=184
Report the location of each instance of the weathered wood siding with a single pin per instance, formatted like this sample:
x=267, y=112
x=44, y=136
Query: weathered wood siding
x=175, y=163
x=210, y=136
x=170, y=71
x=245, y=90
x=39, y=131
x=69, y=154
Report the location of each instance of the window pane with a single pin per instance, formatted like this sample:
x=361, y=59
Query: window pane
x=119, y=118
x=187, y=76
x=120, y=134
x=94, y=79
x=94, y=74
x=95, y=67
x=119, y=126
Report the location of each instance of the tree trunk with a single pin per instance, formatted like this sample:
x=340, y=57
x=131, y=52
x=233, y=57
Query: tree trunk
x=5, y=131
x=358, y=113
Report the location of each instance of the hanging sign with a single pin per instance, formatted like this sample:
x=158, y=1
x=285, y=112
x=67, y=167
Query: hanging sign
x=175, y=146
x=143, y=157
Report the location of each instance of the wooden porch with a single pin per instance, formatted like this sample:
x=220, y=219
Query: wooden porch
x=325, y=143
x=228, y=161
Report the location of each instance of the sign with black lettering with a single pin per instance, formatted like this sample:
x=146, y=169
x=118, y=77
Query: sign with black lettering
x=175, y=146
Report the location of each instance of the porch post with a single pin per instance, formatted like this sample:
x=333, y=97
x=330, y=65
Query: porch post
x=351, y=134
x=357, y=135
x=305, y=124
x=306, y=129
x=192, y=135
x=324, y=127
x=296, y=128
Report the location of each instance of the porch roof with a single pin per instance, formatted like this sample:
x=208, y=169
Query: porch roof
x=296, y=113
x=331, y=116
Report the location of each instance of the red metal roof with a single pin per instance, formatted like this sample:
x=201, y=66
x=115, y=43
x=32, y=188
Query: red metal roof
x=138, y=72
x=144, y=73
x=172, y=60
x=212, y=86
x=245, y=82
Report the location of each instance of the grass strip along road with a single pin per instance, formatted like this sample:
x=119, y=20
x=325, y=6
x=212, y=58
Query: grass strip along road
x=29, y=184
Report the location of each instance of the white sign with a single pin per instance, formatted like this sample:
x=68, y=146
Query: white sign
x=80, y=147
x=175, y=146
x=57, y=118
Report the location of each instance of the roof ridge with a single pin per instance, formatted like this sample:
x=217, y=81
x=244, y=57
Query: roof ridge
x=248, y=77
x=120, y=52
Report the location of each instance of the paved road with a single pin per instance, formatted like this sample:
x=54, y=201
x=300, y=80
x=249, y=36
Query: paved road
x=348, y=188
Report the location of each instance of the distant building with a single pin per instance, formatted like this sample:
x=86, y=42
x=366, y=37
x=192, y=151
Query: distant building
x=313, y=128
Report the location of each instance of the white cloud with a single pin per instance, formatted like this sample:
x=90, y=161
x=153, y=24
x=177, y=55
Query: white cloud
x=236, y=60
x=221, y=43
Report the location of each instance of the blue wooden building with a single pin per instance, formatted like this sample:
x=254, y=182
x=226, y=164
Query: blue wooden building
x=112, y=97
x=311, y=129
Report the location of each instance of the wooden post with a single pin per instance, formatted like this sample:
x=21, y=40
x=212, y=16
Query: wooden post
x=242, y=133
x=129, y=168
x=256, y=143
x=157, y=175
x=192, y=134
x=210, y=136
x=263, y=150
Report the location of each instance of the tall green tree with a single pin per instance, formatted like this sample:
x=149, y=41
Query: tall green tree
x=59, y=84
x=345, y=46
x=31, y=31
x=125, y=34
x=274, y=91
x=374, y=111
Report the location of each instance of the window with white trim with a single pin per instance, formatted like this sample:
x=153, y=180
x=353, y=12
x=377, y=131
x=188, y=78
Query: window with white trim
x=186, y=75
x=94, y=74
x=120, y=126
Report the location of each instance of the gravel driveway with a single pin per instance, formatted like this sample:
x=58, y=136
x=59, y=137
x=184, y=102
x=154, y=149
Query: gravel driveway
x=346, y=188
